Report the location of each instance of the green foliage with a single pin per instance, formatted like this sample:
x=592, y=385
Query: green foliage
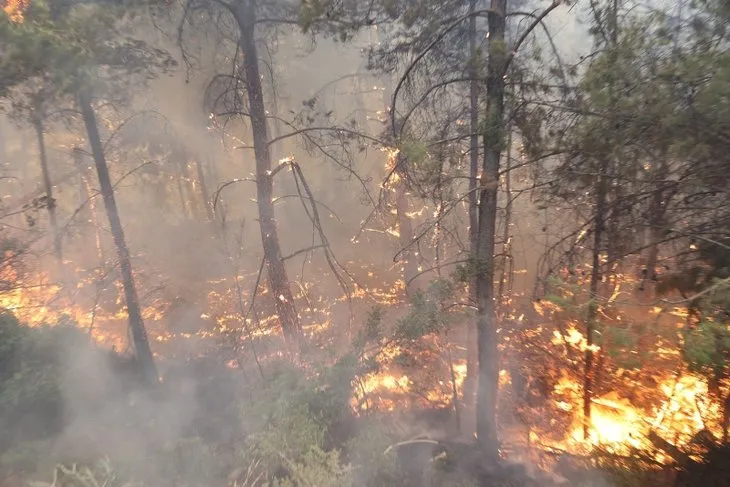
x=371, y=331
x=375, y=464
x=34, y=361
x=100, y=475
x=707, y=347
x=29, y=456
x=428, y=311
x=68, y=48
x=316, y=468
x=472, y=268
x=188, y=462
x=12, y=336
x=296, y=419
x=414, y=150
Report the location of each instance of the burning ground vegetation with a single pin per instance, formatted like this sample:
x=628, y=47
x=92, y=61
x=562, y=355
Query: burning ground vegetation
x=372, y=369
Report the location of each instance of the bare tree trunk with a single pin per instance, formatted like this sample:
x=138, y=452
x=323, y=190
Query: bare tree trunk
x=24, y=142
x=470, y=382
x=657, y=210
x=601, y=189
x=402, y=207
x=505, y=275
x=599, y=228
x=203, y=189
x=193, y=191
x=86, y=190
x=278, y=279
x=726, y=419
x=180, y=176
x=405, y=232
x=134, y=313
x=3, y=147
x=493, y=138
x=361, y=115
x=48, y=186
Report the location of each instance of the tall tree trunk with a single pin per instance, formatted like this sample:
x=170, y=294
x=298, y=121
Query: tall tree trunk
x=601, y=190
x=506, y=275
x=402, y=208
x=24, y=142
x=361, y=114
x=203, y=189
x=179, y=177
x=48, y=186
x=470, y=382
x=726, y=419
x=599, y=228
x=405, y=232
x=3, y=147
x=657, y=210
x=134, y=313
x=87, y=195
x=493, y=139
x=278, y=279
x=193, y=191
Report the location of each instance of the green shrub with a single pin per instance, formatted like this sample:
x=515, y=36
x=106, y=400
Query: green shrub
x=32, y=360
x=316, y=468
x=100, y=475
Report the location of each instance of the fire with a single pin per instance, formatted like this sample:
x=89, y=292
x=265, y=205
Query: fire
x=680, y=407
x=15, y=9
x=39, y=300
x=618, y=425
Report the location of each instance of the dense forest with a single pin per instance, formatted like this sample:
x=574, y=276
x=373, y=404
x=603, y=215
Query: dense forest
x=323, y=243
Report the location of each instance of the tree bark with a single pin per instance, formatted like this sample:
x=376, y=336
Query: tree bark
x=87, y=195
x=405, y=232
x=726, y=419
x=278, y=279
x=601, y=190
x=402, y=207
x=493, y=139
x=48, y=186
x=179, y=177
x=134, y=313
x=505, y=276
x=599, y=228
x=657, y=209
x=470, y=383
x=193, y=192
x=3, y=147
x=203, y=189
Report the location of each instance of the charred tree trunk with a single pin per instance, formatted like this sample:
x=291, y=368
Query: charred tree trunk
x=471, y=347
x=134, y=313
x=493, y=139
x=601, y=190
x=48, y=186
x=278, y=279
